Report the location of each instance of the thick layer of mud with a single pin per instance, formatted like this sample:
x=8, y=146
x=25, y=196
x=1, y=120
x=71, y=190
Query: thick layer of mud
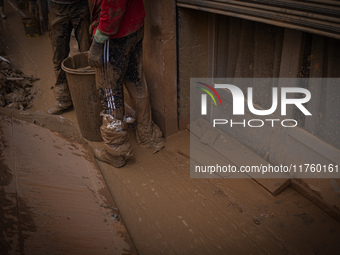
x=16, y=88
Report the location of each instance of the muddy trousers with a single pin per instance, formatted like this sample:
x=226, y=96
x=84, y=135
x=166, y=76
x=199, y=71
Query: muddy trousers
x=123, y=66
x=62, y=19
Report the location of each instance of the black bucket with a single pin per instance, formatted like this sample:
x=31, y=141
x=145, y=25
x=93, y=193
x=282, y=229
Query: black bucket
x=32, y=27
x=82, y=84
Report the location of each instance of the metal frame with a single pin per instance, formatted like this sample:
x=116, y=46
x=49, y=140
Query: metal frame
x=319, y=17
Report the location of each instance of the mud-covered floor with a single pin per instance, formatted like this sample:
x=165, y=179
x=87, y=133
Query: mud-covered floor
x=53, y=197
x=164, y=210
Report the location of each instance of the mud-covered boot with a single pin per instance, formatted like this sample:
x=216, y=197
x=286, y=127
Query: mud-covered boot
x=2, y=13
x=63, y=99
x=149, y=136
x=115, y=136
x=115, y=161
x=60, y=107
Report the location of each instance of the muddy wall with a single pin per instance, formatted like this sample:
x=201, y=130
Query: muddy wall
x=193, y=51
x=212, y=45
x=160, y=62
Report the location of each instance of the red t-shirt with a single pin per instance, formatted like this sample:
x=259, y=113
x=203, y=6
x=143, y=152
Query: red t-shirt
x=117, y=18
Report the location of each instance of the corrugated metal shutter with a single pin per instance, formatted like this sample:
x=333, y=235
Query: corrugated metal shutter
x=319, y=17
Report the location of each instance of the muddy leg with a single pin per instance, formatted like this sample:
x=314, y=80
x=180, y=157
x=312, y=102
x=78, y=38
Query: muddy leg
x=60, y=31
x=114, y=129
x=81, y=23
x=147, y=133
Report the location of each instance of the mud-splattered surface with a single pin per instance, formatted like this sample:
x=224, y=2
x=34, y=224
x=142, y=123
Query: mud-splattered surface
x=53, y=197
x=167, y=212
x=164, y=210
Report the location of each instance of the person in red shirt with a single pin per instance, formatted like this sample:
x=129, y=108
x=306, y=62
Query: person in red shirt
x=116, y=53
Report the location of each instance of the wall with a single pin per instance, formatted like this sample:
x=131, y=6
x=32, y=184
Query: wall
x=193, y=50
x=160, y=62
x=221, y=46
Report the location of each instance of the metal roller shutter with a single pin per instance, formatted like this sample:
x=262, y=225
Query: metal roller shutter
x=319, y=17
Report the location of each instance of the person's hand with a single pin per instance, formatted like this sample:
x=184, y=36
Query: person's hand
x=33, y=8
x=96, y=54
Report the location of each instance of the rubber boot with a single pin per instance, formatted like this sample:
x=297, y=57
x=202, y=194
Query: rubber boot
x=104, y=156
x=2, y=13
x=148, y=134
x=60, y=107
x=63, y=99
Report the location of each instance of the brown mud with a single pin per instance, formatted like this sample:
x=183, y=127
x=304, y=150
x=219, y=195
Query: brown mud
x=16, y=88
x=53, y=198
x=15, y=215
x=167, y=212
